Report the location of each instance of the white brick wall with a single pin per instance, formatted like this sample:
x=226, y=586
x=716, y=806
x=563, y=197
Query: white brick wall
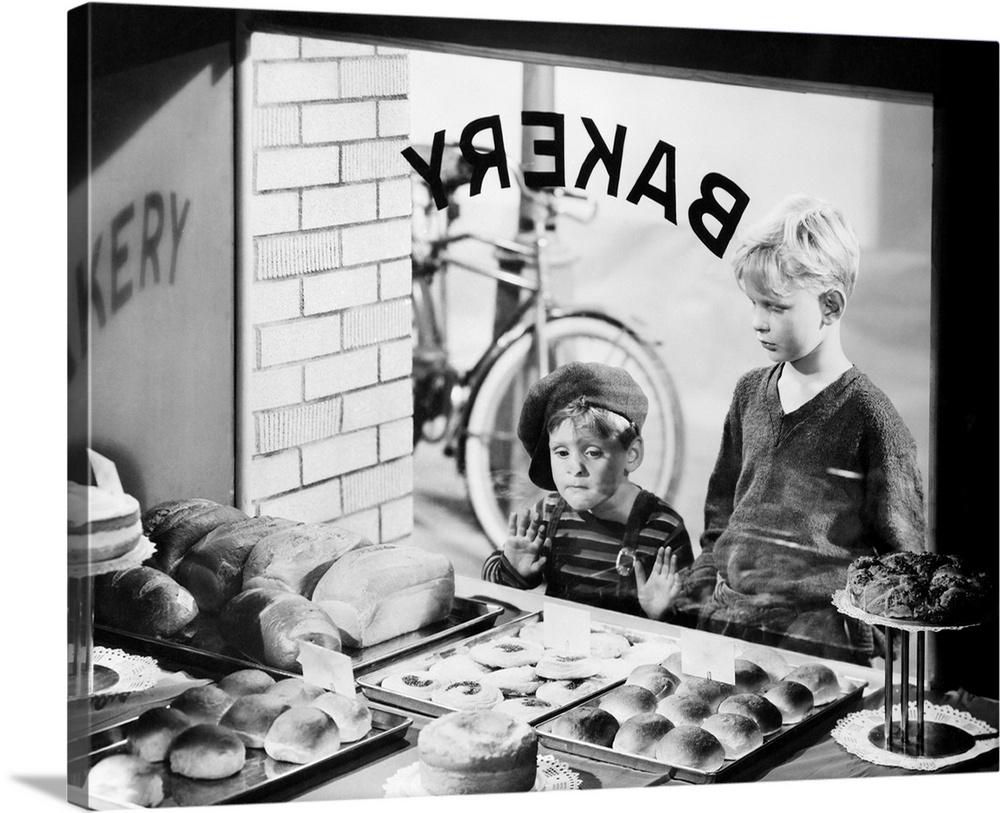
x=329, y=393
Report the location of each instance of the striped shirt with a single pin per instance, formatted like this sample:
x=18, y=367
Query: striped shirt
x=583, y=551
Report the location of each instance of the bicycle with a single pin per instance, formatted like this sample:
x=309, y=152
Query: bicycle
x=475, y=412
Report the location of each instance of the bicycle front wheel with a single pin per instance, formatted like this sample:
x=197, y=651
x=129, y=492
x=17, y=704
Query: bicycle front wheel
x=496, y=465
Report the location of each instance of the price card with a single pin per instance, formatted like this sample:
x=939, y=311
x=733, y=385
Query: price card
x=105, y=473
x=711, y=656
x=326, y=668
x=567, y=629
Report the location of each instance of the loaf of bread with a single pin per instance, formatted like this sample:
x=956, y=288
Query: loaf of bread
x=212, y=570
x=378, y=592
x=267, y=625
x=144, y=601
x=295, y=558
x=175, y=526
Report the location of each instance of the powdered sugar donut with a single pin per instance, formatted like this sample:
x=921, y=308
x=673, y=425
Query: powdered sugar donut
x=503, y=653
x=467, y=695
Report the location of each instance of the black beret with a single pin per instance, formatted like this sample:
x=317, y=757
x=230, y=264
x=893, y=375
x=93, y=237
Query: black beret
x=610, y=388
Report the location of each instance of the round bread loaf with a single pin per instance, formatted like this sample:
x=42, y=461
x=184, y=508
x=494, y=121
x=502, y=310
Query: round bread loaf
x=738, y=734
x=712, y=692
x=770, y=660
x=506, y=652
x=818, y=678
x=654, y=677
x=477, y=752
x=467, y=695
x=150, y=734
x=640, y=734
x=295, y=691
x=515, y=681
x=525, y=708
x=587, y=724
x=627, y=700
x=351, y=714
x=757, y=707
x=206, y=751
x=684, y=709
x=792, y=699
x=564, y=692
x=203, y=704
x=127, y=779
x=251, y=716
x=750, y=678
x=566, y=666
x=690, y=746
x=246, y=681
x=418, y=684
x=302, y=734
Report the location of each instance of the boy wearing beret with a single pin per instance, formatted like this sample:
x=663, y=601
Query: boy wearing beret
x=597, y=538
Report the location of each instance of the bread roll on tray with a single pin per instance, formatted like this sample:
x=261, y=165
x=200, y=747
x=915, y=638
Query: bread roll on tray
x=207, y=751
x=150, y=734
x=144, y=601
x=301, y=735
x=690, y=746
x=792, y=699
x=639, y=734
x=738, y=734
x=818, y=678
x=268, y=625
x=351, y=714
x=295, y=558
x=175, y=526
x=250, y=717
x=628, y=700
x=758, y=708
x=587, y=724
x=245, y=681
x=127, y=779
x=203, y=704
x=212, y=570
x=377, y=592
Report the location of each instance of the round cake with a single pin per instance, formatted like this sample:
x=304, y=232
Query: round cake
x=477, y=752
x=920, y=586
x=101, y=525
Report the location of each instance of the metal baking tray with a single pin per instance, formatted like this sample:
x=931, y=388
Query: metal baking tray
x=821, y=716
x=262, y=778
x=370, y=683
x=201, y=645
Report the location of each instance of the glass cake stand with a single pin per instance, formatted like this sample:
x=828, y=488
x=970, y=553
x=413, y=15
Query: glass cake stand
x=919, y=737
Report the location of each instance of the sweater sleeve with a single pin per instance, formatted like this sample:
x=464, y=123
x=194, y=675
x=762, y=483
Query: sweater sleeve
x=498, y=570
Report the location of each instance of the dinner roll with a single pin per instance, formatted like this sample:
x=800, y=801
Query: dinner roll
x=738, y=734
x=654, y=677
x=206, y=751
x=302, y=734
x=627, y=700
x=640, y=733
x=757, y=707
x=684, y=709
x=793, y=700
x=251, y=716
x=712, y=692
x=245, y=681
x=770, y=660
x=750, y=678
x=295, y=691
x=690, y=746
x=203, y=704
x=587, y=724
x=818, y=678
x=126, y=778
x=150, y=734
x=350, y=713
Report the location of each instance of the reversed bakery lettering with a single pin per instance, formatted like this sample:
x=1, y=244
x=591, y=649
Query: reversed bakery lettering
x=713, y=221
x=139, y=248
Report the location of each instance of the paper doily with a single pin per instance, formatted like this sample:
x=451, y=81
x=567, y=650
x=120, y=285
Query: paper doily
x=135, y=557
x=135, y=672
x=852, y=733
x=552, y=775
x=843, y=603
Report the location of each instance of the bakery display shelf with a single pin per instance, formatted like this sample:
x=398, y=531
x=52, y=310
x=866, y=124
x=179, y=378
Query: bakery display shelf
x=370, y=683
x=201, y=645
x=262, y=778
x=820, y=717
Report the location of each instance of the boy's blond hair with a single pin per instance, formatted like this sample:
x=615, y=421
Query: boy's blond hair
x=804, y=242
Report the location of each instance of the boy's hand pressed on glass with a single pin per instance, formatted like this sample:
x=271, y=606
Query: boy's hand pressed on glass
x=658, y=590
x=523, y=548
